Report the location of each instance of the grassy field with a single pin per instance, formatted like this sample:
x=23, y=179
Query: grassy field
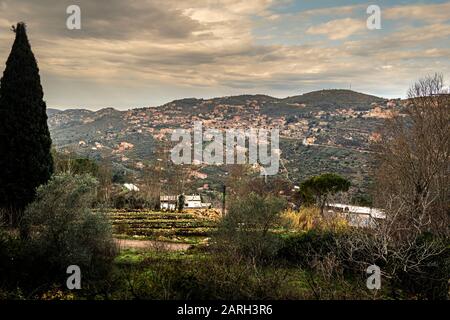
x=190, y=227
x=196, y=274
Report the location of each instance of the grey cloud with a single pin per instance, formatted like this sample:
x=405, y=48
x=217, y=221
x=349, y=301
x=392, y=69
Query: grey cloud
x=103, y=19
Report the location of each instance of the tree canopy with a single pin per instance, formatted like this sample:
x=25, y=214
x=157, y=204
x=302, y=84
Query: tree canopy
x=25, y=142
x=317, y=189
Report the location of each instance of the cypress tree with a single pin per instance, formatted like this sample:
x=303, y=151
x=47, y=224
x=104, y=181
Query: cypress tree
x=25, y=143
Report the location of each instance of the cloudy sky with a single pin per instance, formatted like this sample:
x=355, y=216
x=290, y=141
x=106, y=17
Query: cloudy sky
x=139, y=53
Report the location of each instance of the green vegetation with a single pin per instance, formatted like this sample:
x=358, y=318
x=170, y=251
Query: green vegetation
x=58, y=230
x=319, y=188
x=245, y=232
x=163, y=226
x=25, y=142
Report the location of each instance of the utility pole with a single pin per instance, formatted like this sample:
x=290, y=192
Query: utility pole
x=224, y=193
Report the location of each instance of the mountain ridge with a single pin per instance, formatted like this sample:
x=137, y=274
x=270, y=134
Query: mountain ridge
x=301, y=98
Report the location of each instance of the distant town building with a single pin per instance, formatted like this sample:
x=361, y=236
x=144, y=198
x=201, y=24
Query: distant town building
x=309, y=141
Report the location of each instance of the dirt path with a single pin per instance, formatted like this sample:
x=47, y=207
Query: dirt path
x=151, y=245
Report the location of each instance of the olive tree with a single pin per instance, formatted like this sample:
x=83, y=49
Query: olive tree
x=62, y=228
x=245, y=231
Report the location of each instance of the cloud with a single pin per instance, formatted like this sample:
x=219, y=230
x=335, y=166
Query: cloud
x=104, y=19
x=434, y=13
x=404, y=41
x=331, y=11
x=151, y=51
x=338, y=29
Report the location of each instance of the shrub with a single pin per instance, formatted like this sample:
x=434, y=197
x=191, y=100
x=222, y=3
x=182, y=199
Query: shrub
x=246, y=231
x=303, y=248
x=309, y=218
x=132, y=200
x=64, y=231
x=428, y=279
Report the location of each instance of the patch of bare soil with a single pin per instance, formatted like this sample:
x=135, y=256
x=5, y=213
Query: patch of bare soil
x=151, y=245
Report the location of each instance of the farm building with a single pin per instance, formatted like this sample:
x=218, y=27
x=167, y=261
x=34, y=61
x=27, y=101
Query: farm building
x=357, y=216
x=195, y=202
x=190, y=202
x=168, y=202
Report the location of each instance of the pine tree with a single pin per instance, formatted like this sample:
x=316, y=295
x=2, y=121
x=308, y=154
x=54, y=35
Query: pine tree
x=25, y=143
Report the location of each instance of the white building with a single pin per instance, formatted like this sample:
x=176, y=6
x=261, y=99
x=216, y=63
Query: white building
x=168, y=202
x=190, y=202
x=195, y=202
x=357, y=216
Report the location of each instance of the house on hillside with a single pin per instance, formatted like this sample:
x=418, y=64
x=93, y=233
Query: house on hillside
x=364, y=217
x=190, y=202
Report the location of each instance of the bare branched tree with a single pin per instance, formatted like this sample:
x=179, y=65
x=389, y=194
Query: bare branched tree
x=411, y=244
x=414, y=160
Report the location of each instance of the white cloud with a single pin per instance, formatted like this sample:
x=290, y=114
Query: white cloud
x=338, y=29
x=205, y=47
x=433, y=13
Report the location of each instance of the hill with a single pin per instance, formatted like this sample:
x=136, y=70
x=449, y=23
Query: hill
x=328, y=130
x=336, y=98
x=52, y=111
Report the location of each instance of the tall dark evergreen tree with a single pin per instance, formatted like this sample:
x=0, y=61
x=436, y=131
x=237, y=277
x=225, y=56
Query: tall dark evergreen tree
x=25, y=155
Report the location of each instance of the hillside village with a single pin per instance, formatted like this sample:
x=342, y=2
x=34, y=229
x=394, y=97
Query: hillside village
x=130, y=138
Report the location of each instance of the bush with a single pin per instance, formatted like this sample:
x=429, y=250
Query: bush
x=309, y=218
x=132, y=200
x=64, y=231
x=429, y=279
x=246, y=231
x=303, y=248
x=412, y=270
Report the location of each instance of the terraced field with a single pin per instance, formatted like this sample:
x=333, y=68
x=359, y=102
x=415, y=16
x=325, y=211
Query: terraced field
x=162, y=226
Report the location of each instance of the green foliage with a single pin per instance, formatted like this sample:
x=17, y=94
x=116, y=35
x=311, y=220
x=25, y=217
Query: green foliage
x=303, y=248
x=318, y=188
x=130, y=200
x=180, y=203
x=25, y=142
x=364, y=200
x=64, y=231
x=73, y=164
x=200, y=277
x=246, y=230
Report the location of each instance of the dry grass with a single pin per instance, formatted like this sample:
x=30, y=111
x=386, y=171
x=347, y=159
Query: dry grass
x=309, y=218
